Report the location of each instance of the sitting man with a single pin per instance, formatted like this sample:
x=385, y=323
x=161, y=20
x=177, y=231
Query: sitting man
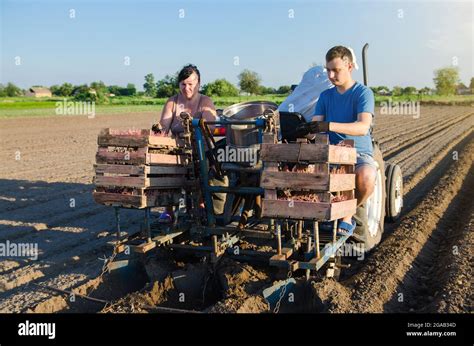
x=345, y=112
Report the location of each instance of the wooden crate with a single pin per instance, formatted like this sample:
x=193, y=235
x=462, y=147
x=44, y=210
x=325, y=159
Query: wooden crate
x=334, y=191
x=138, y=169
x=140, y=176
x=142, y=148
x=137, y=198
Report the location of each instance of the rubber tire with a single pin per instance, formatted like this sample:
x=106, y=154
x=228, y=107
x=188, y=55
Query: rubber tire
x=393, y=174
x=362, y=234
x=388, y=171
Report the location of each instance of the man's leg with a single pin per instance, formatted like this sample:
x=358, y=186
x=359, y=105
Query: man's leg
x=365, y=183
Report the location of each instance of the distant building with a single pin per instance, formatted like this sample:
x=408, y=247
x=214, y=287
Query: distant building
x=38, y=92
x=384, y=92
x=463, y=91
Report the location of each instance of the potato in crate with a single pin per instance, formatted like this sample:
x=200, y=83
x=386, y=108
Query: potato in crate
x=308, y=181
x=138, y=169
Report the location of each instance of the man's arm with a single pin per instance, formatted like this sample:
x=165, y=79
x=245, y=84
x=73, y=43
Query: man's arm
x=358, y=128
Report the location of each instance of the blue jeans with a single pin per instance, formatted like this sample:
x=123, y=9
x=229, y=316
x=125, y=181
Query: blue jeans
x=365, y=159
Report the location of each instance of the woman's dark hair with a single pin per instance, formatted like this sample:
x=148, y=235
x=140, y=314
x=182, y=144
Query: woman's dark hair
x=188, y=70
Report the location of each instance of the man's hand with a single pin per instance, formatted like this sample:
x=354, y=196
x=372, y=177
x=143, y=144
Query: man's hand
x=311, y=127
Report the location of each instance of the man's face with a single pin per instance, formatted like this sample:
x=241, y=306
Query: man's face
x=339, y=70
x=189, y=86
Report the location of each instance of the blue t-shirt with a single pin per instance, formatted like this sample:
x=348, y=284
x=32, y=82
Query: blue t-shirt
x=344, y=109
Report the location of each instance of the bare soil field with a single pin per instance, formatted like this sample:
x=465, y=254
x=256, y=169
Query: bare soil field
x=423, y=264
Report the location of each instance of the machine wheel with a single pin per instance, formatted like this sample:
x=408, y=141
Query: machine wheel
x=394, y=190
x=370, y=216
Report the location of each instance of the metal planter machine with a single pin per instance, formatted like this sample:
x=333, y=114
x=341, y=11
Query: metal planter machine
x=273, y=206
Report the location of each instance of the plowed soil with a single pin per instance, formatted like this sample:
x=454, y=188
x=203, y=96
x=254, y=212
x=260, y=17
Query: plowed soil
x=423, y=264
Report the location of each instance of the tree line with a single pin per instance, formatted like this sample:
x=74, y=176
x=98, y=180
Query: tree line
x=446, y=82
x=249, y=82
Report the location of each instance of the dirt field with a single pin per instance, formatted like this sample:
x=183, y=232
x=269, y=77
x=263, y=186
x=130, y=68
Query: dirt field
x=423, y=264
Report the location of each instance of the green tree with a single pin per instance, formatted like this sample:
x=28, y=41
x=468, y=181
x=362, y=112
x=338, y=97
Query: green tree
x=66, y=89
x=446, y=80
x=79, y=89
x=115, y=89
x=150, y=85
x=167, y=86
x=11, y=90
x=284, y=89
x=220, y=87
x=249, y=81
x=99, y=87
x=471, y=85
x=409, y=90
x=266, y=90
x=131, y=90
x=424, y=91
x=88, y=94
x=54, y=90
x=397, y=91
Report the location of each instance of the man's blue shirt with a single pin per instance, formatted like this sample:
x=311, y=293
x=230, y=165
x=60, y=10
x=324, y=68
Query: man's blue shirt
x=343, y=108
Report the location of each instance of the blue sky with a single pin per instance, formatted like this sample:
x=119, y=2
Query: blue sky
x=277, y=39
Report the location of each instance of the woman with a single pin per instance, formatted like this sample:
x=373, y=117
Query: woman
x=187, y=100
x=199, y=106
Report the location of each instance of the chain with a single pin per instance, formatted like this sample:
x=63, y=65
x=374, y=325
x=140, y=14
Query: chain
x=282, y=292
x=107, y=261
x=105, y=268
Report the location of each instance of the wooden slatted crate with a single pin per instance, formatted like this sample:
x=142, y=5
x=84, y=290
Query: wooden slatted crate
x=138, y=169
x=330, y=182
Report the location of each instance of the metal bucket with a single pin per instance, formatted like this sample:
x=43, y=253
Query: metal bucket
x=245, y=135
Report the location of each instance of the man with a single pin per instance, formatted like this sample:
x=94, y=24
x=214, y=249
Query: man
x=345, y=112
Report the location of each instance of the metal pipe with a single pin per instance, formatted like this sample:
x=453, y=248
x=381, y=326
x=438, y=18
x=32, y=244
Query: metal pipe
x=237, y=122
x=211, y=220
x=117, y=221
x=215, y=248
x=170, y=310
x=316, y=238
x=308, y=250
x=72, y=293
x=243, y=190
x=147, y=224
x=334, y=232
x=300, y=229
x=278, y=230
x=364, y=64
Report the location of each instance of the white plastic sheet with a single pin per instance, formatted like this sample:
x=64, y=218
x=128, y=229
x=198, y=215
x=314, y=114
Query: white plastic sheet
x=303, y=99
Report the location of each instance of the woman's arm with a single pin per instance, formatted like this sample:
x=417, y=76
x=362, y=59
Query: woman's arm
x=208, y=110
x=167, y=115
